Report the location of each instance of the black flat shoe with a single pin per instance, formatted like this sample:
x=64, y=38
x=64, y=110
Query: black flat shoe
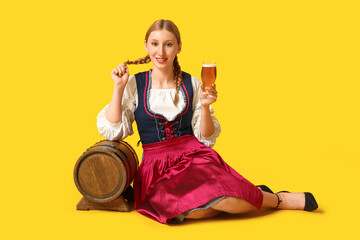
x=310, y=202
x=265, y=188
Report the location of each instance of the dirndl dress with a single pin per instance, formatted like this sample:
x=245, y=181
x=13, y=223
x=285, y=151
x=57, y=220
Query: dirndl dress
x=179, y=174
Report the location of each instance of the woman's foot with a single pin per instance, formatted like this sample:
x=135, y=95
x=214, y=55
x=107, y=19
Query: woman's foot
x=291, y=201
x=296, y=201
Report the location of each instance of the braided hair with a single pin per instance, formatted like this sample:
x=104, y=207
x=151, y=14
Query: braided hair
x=178, y=78
x=171, y=27
x=143, y=60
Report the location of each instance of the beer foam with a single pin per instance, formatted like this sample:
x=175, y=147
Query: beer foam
x=209, y=65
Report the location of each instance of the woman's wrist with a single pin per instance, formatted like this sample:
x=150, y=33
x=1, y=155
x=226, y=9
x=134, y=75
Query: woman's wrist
x=207, y=127
x=119, y=88
x=205, y=108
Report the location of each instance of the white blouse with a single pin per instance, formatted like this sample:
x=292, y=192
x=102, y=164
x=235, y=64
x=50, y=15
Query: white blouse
x=161, y=101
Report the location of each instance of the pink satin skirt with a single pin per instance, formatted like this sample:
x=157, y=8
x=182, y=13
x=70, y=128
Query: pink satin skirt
x=182, y=174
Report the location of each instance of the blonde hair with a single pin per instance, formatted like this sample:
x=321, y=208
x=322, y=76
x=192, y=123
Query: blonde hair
x=171, y=27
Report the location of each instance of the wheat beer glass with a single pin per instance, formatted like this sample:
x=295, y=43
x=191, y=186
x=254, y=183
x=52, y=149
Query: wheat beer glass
x=208, y=73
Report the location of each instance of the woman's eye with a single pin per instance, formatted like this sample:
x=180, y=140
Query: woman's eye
x=154, y=44
x=169, y=44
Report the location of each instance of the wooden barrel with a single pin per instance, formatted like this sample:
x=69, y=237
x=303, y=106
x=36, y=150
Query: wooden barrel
x=105, y=170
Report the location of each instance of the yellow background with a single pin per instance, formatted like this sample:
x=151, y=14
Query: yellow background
x=288, y=82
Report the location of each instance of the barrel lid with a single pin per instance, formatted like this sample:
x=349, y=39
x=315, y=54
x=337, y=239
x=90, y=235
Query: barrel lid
x=99, y=175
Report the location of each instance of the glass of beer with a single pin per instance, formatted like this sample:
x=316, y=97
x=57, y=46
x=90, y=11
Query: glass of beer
x=208, y=73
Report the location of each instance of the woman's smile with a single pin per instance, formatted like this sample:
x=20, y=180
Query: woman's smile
x=161, y=60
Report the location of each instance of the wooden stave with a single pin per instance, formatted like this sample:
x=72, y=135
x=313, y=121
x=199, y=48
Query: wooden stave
x=123, y=158
x=126, y=149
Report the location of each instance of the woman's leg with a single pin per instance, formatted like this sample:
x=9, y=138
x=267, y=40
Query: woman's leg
x=230, y=204
x=289, y=201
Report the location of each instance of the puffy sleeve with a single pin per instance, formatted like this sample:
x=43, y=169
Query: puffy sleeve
x=209, y=141
x=122, y=129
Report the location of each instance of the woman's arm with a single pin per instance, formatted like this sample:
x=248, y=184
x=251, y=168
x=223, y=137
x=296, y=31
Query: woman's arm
x=114, y=112
x=198, y=112
x=208, y=96
x=114, y=122
x=120, y=76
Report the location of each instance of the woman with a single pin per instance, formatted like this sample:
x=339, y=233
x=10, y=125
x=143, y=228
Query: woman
x=180, y=175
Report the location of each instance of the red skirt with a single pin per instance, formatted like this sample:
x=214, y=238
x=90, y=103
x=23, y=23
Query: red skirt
x=182, y=174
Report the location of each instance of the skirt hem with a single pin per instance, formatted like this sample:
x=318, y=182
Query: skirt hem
x=167, y=219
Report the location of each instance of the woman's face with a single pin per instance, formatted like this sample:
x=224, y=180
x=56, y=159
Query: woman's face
x=162, y=48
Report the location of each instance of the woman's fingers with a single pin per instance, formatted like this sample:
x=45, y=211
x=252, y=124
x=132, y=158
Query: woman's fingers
x=120, y=74
x=207, y=98
x=211, y=92
x=121, y=71
x=211, y=89
x=208, y=95
x=123, y=67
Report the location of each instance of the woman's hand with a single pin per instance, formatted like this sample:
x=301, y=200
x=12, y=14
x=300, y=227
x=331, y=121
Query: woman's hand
x=208, y=95
x=120, y=75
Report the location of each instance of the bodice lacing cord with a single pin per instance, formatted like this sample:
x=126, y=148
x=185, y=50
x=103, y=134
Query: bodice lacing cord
x=169, y=130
